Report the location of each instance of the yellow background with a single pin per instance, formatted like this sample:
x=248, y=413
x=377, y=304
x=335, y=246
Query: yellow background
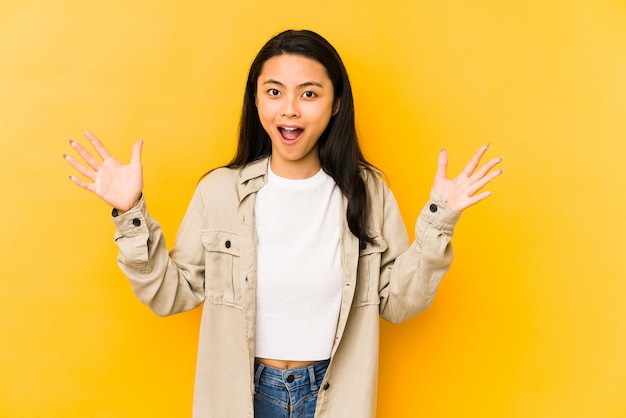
x=530, y=321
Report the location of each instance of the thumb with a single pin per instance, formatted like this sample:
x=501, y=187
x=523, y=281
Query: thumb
x=136, y=155
x=442, y=165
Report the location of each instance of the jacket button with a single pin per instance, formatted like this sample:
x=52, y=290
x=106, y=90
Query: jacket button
x=363, y=245
x=227, y=244
x=433, y=208
x=326, y=386
x=136, y=222
x=290, y=378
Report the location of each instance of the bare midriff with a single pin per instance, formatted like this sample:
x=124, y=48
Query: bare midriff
x=284, y=364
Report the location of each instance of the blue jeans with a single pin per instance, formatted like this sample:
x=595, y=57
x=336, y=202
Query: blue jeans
x=287, y=393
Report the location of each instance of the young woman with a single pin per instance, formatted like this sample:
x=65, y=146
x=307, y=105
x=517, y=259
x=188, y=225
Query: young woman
x=294, y=249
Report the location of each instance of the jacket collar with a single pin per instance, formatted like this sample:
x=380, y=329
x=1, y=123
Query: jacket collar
x=252, y=177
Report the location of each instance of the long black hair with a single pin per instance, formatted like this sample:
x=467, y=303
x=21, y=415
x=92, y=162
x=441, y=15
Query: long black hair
x=339, y=152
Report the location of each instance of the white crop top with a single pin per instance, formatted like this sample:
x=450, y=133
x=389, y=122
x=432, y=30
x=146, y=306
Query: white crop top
x=299, y=267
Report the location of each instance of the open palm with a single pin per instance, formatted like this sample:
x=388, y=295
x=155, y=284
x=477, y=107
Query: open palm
x=464, y=190
x=117, y=184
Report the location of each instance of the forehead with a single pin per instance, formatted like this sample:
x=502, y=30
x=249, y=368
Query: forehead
x=296, y=68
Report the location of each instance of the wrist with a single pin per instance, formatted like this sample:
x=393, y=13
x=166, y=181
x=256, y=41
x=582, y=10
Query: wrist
x=118, y=211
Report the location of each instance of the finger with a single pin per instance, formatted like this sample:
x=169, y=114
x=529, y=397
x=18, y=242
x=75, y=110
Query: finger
x=487, y=167
x=90, y=174
x=471, y=166
x=136, y=155
x=478, y=198
x=81, y=183
x=442, y=165
x=482, y=182
x=86, y=155
x=98, y=146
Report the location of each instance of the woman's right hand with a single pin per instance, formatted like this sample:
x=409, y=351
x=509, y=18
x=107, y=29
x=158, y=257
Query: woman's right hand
x=117, y=184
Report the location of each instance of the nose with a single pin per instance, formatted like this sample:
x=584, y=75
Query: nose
x=290, y=108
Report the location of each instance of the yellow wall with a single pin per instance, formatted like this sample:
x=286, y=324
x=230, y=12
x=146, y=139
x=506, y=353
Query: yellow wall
x=531, y=320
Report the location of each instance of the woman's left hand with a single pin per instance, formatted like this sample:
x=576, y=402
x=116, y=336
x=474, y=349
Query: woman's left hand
x=463, y=191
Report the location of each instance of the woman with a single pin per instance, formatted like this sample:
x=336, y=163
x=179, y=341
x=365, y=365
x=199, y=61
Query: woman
x=294, y=249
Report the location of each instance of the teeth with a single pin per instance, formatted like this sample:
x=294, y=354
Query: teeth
x=290, y=129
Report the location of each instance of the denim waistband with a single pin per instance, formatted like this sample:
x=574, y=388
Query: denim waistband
x=312, y=374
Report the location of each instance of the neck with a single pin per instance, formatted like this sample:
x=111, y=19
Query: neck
x=295, y=170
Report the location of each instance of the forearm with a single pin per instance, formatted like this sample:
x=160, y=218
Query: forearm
x=410, y=281
x=165, y=285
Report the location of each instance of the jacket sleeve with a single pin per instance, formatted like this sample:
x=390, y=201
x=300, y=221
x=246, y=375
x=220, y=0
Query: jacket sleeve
x=167, y=283
x=409, y=278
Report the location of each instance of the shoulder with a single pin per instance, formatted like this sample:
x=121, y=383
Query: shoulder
x=242, y=179
x=374, y=180
x=220, y=185
x=220, y=177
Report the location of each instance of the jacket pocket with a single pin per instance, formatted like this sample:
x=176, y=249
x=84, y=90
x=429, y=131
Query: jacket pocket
x=222, y=261
x=368, y=272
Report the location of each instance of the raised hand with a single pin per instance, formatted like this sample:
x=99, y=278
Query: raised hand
x=117, y=184
x=463, y=191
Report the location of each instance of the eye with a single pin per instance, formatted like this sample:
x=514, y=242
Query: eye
x=309, y=95
x=273, y=92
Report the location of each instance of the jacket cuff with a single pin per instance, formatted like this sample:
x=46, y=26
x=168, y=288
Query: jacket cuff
x=438, y=214
x=133, y=222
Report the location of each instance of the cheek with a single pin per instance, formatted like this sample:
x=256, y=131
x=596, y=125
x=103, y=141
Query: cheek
x=265, y=108
x=261, y=111
x=265, y=118
x=323, y=116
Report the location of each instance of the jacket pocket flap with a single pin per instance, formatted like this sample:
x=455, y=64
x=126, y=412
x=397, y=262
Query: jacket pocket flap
x=379, y=246
x=221, y=241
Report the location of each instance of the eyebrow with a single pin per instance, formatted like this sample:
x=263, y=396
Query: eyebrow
x=300, y=86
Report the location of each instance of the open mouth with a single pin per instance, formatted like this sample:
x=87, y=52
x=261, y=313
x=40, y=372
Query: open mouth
x=290, y=134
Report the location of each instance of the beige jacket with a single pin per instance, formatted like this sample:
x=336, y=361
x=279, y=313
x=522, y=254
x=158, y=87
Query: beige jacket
x=213, y=263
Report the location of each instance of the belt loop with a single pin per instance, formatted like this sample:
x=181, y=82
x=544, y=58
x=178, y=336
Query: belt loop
x=312, y=377
x=257, y=374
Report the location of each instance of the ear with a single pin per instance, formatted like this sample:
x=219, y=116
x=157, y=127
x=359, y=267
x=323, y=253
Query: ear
x=336, y=106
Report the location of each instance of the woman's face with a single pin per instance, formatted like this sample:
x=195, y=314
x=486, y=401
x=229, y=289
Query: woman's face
x=295, y=101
